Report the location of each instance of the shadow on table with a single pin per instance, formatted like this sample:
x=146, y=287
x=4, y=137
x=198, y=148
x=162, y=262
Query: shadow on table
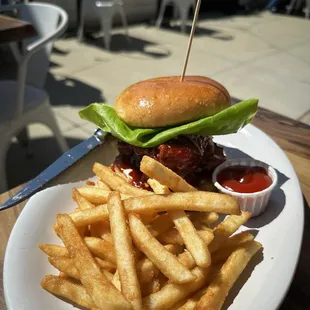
x=277, y=199
x=199, y=32
x=121, y=43
x=21, y=168
x=298, y=296
x=69, y=91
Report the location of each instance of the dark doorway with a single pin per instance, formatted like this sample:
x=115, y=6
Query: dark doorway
x=223, y=6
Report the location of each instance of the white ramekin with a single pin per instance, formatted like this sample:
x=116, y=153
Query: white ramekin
x=254, y=203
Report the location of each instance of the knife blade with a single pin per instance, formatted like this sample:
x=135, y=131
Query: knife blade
x=61, y=164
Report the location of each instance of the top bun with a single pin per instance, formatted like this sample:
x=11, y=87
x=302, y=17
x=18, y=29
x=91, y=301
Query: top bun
x=166, y=101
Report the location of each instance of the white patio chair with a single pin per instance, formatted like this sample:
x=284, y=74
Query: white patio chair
x=306, y=10
x=105, y=9
x=180, y=6
x=22, y=104
x=294, y=5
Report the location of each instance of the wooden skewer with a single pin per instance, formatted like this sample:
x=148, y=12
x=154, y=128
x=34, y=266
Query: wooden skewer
x=190, y=39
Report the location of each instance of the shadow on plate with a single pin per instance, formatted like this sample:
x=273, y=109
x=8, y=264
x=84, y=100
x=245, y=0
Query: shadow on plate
x=245, y=275
x=277, y=199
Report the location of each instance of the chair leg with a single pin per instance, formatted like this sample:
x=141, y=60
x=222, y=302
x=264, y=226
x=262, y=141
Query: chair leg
x=183, y=15
x=124, y=20
x=81, y=22
x=290, y=7
x=307, y=10
x=161, y=13
x=3, y=179
x=299, y=4
x=23, y=139
x=106, y=25
x=50, y=121
x=175, y=12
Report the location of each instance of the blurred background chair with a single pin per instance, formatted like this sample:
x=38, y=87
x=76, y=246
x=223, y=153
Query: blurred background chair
x=306, y=10
x=295, y=5
x=24, y=101
x=105, y=10
x=181, y=8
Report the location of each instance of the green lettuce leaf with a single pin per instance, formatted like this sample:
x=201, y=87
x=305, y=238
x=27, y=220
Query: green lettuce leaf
x=225, y=122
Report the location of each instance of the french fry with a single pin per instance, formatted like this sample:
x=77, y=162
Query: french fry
x=63, y=276
x=106, y=264
x=146, y=270
x=205, y=218
x=102, y=185
x=192, y=201
x=96, y=195
x=158, y=188
x=191, y=302
x=91, y=216
x=125, y=257
x=151, y=287
x=65, y=265
x=108, y=274
x=217, y=291
x=194, y=244
x=147, y=218
x=160, y=224
x=172, y=293
x=82, y=202
x=54, y=250
x=230, y=245
x=117, y=183
x=187, y=231
x=163, y=259
x=101, y=291
x=174, y=248
x=226, y=228
x=101, y=248
x=101, y=230
x=67, y=289
x=116, y=281
x=174, y=237
x=155, y=170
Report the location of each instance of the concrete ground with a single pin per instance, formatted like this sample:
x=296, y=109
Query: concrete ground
x=263, y=55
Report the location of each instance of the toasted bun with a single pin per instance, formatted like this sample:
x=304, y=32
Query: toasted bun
x=166, y=101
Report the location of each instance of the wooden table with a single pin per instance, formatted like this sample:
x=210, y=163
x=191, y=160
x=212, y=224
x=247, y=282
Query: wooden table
x=13, y=29
x=292, y=136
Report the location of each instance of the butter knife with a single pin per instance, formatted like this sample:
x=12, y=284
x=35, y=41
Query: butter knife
x=61, y=164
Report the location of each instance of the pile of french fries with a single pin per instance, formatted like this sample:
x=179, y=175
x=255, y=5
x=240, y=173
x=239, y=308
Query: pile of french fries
x=129, y=248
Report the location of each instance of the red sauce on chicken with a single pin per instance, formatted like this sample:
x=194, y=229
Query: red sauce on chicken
x=133, y=175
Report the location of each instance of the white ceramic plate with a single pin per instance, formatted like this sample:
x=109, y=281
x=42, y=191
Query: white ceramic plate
x=279, y=229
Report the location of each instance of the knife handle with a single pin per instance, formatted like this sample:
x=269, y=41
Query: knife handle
x=100, y=134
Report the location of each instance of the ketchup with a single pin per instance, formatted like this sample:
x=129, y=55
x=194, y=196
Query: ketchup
x=133, y=175
x=243, y=179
